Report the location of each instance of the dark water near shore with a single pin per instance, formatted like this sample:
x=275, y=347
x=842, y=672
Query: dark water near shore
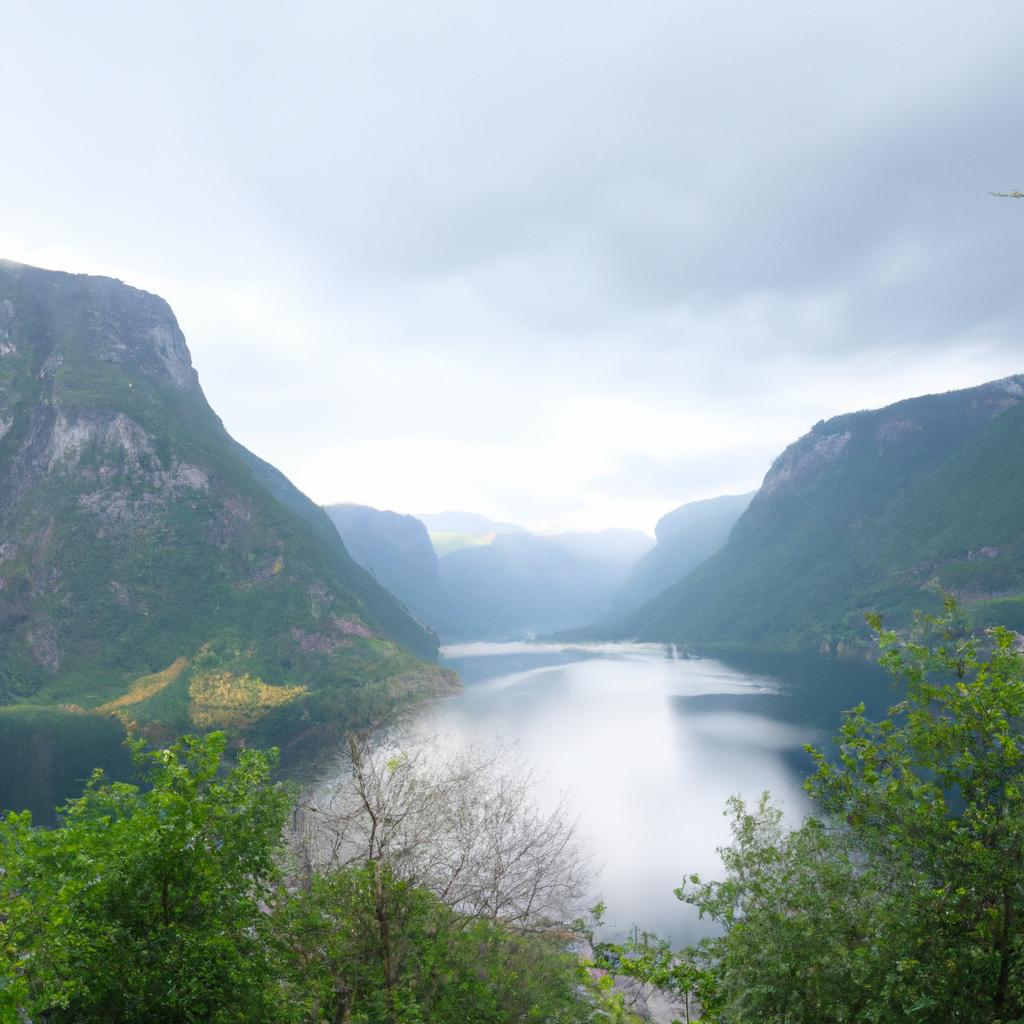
x=47, y=756
x=649, y=747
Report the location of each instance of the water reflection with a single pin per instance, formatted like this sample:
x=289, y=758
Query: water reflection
x=648, y=747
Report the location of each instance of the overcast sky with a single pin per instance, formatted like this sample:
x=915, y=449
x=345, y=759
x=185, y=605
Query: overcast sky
x=567, y=264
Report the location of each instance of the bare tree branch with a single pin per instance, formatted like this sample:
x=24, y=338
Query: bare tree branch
x=465, y=824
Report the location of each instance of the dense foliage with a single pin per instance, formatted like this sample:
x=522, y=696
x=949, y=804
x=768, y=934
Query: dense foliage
x=903, y=899
x=177, y=902
x=197, y=896
x=370, y=948
x=145, y=905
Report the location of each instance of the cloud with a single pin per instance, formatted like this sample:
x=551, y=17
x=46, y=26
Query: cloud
x=566, y=251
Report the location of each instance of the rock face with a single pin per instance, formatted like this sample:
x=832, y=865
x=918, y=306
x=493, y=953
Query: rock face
x=137, y=536
x=396, y=550
x=873, y=510
x=686, y=537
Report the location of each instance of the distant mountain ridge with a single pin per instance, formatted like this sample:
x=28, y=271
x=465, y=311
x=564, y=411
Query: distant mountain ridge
x=396, y=550
x=531, y=584
x=686, y=537
x=153, y=569
x=500, y=581
x=873, y=510
x=464, y=522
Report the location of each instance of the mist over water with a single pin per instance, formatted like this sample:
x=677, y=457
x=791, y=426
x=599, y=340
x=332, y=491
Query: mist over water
x=646, y=747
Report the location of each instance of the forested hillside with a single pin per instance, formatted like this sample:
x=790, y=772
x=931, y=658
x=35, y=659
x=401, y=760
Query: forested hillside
x=877, y=510
x=151, y=568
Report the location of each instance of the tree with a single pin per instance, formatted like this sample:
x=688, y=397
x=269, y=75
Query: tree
x=935, y=793
x=430, y=885
x=169, y=903
x=465, y=824
x=904, y=898
x=370, y=947
x=648, y=966
x=148, y=904
x=797, y=915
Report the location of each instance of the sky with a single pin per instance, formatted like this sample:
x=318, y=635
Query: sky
x=568, y=264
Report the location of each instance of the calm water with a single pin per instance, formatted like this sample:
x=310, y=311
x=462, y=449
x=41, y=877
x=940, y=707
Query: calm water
x=648, y=748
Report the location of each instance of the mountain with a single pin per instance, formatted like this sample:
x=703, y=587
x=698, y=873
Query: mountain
x=153, y=569
x=872, y=510
x=396, y=550
x=525, y=584
x=495, y=580
x=686, y=536
x=452, y=531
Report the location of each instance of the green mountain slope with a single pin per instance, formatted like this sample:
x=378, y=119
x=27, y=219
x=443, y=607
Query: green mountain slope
x=869, y=511
x=150, y=567
x=686, y=536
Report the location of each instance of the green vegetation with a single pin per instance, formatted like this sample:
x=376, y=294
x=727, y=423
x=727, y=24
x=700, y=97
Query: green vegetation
x=179, y=902
x=146, y=906
x=903, y=898
x=871, y=511
x=372, y=948
x=144, y=553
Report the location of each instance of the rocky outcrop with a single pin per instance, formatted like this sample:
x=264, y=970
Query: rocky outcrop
x=136, y=534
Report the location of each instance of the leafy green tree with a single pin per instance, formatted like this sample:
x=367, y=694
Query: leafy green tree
x=798, y=917
x=904, y=899
x=170, y=903
x=149, y=904
x=371, y=948
x=935, y=796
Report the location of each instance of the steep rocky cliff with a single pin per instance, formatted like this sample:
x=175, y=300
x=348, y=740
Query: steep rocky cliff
x=150, y=567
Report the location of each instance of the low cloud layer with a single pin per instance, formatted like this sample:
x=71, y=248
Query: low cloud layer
x=568, y=265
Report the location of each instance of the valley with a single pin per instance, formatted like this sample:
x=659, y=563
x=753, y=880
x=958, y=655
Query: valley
x=156, y=577
x=511, y=514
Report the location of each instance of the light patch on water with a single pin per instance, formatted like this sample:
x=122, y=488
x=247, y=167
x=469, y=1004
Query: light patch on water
x=487, y=648
x=648, y=774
